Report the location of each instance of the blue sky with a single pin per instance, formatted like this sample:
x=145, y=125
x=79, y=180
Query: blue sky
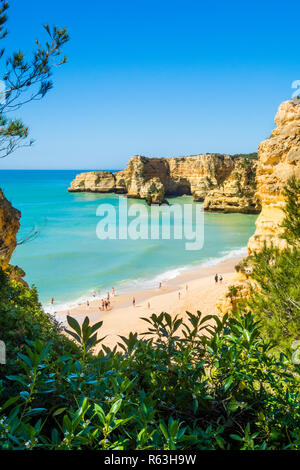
x=157, y=78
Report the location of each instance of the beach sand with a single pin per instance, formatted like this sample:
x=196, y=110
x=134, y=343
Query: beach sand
x=124, y=318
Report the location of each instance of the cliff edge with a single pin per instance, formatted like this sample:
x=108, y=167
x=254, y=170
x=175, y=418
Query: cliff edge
x=278, y=160
x=9, y=226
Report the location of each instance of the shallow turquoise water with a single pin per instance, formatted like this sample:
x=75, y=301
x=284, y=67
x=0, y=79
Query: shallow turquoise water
x=67, y=260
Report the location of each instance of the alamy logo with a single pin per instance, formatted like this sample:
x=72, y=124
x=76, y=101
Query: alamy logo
x=137, y=221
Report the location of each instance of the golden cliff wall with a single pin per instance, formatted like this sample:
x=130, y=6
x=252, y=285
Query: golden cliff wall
x=278, y=160
x=9, y=226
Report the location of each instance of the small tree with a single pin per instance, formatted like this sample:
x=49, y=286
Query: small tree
x=291, y=222
x=25, y=79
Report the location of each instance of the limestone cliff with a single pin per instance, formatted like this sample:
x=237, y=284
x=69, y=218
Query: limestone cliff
x=278, y=160
x=9, y=226
x=237, y=192
x=154, y=179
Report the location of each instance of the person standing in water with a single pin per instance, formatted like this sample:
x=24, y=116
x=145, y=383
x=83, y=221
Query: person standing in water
x=216, y=279
x=52, y=301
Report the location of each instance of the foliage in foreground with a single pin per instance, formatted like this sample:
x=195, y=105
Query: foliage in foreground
x=21, y=319
x=214, y=386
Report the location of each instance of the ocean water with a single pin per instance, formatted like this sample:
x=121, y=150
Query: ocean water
x=67, y=261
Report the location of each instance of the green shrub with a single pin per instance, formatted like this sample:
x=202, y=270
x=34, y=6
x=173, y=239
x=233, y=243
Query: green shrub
x=21, y=319
x=216, y=385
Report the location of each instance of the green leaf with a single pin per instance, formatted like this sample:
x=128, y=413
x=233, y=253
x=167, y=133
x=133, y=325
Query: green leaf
x=164, y=430
x=59, y=411
x=228, y=383
x=115, y=407
x=235, y=437
x=9, y=402
x=74, y=324
x=100, y=413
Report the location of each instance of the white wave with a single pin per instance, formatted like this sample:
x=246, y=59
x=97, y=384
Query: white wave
x=236, y=253
x=133, y=285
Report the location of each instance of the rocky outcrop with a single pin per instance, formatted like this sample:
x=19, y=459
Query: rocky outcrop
x=278, y=160
x=9, y=226
x=154, y=179
x=237, y=192
x=95, y=182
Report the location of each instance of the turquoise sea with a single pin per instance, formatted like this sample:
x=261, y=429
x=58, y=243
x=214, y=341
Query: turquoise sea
x=66, y=260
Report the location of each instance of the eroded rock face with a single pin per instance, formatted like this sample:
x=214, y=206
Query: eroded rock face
x=237, y=192
x=154, y=179
x=278, y=160
x=9, y=226
x=94, y=181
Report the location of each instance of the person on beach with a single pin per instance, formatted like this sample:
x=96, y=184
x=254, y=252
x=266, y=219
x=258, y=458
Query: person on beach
x=148, y=305
x=179, y=295
x=159, y=285
x=108, y=305
x=87, y=303
x=113, y=292
x=186, y=287
x=52, y=301
x=133, y=302
x=216, y=279
x=102, y=305
x=220, y=278
x=108, y=296
x=94, y=294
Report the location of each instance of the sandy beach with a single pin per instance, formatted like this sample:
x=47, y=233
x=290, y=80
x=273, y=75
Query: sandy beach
x=197, y=288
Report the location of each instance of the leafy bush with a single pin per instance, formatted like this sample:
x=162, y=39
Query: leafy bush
x=277, y=272
x=21, y=319
x=203, y=383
